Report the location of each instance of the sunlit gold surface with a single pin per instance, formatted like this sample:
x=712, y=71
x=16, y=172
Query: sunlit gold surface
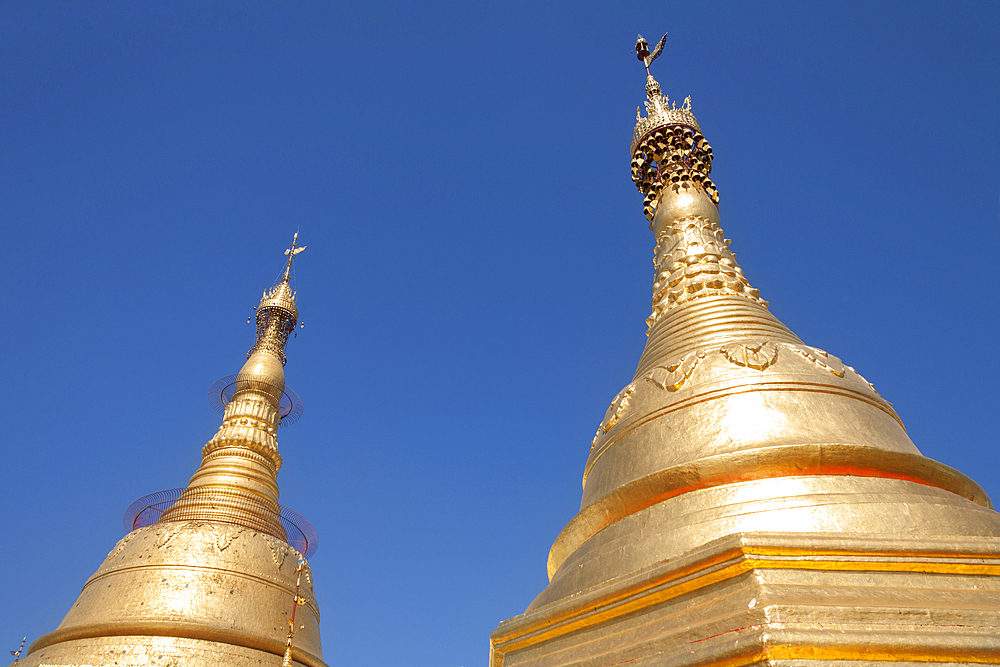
x=773, y=597
x=206, y=583
x=213, y=582
x=749, y=499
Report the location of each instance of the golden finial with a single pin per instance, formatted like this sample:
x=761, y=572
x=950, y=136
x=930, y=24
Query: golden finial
x=277, y=314
x=659, y=110
x=642, y=50
x=667, y=145
x=292, y=251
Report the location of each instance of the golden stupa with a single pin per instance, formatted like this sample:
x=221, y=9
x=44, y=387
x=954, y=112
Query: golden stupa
x=213, y=581
x=749, y=499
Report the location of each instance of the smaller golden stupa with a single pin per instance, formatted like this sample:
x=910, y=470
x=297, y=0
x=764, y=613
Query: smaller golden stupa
x=749, y=499
x=214, y=581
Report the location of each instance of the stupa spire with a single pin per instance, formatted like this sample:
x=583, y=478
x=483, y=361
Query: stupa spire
x=737, y=464
x=277, y=313
x=237, y=480
x=213, y=581
x=671, y=167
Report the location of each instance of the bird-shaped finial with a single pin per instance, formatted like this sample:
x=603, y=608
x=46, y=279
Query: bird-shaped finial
x=642, y=50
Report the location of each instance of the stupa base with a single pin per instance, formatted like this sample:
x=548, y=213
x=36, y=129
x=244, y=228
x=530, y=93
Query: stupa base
x=792, y=599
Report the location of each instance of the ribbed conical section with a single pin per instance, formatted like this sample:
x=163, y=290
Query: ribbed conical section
x=237, y=481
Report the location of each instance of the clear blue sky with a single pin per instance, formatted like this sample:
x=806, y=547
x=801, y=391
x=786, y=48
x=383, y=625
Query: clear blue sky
x=478, y=269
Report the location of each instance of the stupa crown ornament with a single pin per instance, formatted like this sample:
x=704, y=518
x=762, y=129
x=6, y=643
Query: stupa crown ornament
x=277, y=313
x=667, y=145
x=671, y=163
x=660, y=112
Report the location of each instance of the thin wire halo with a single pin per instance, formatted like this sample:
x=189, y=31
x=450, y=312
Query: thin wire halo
x=147, y=510
x=221, y=393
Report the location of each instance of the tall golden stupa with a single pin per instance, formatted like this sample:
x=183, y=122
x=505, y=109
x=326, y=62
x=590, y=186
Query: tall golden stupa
x=214, y=581
x=749, y=499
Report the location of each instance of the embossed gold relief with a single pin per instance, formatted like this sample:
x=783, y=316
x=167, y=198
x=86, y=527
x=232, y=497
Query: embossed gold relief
x=757, y=356
x=693, y=259
x=221, y=536
x=172, y=584
x=822, y=359
x=673, y=375
x=168, y=530
x=279, y=550
x=754, y=355
x=122, y=543
x=618, y=408
x=870, y=385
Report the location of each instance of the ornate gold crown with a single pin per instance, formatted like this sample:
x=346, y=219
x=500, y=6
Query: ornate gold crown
x=668, y=148
x=660, y=113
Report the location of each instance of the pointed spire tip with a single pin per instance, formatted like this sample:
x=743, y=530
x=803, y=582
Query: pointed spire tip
x=291, y=251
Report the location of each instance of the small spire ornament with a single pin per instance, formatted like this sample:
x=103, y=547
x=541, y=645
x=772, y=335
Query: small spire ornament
x=668, y=149
x=292, y=251
x=17, y=653
x=642, y=50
